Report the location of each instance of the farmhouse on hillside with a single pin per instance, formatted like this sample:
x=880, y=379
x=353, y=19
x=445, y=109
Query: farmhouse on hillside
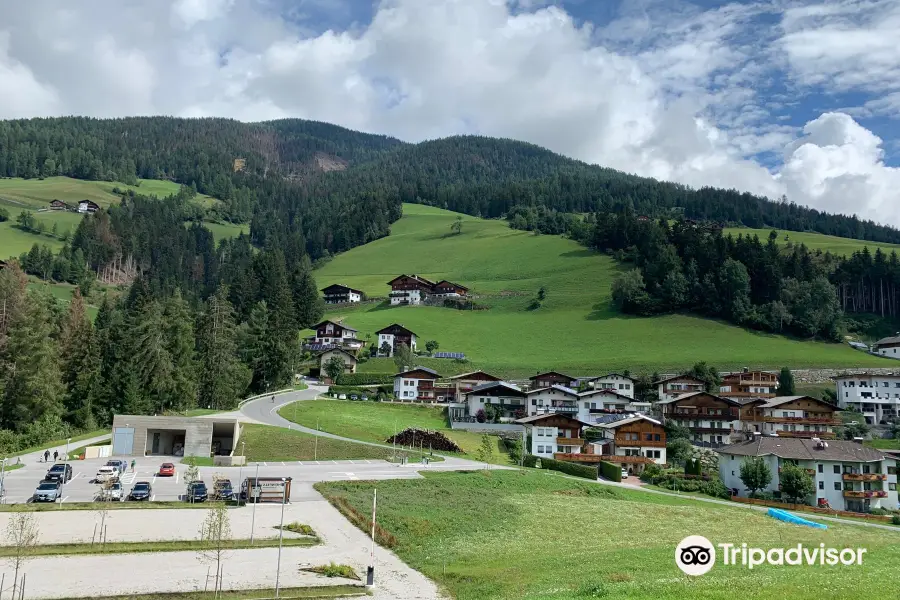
x=749, y=384
x=544, y=380
x=349, y=359
x=414, y=289
x=335, y=333
x=394, y=335
x=503, y=398
x=887, y=346
x=632, y=435
x=877, y=397
x=847, y=475
x=416, y=384
x=88, y=206
x=59, y=205
x=672, y=387
x=554, y=435
x=341, y=294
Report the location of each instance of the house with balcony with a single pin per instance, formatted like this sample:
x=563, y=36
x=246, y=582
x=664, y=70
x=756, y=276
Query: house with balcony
x=409, y=289
x=462, y=384
x=621, y=384
x=632, y=435
x=876, y=396
x=605, y=401
x=416, y=384
x=335, y=333
x=341, y=294
x=710, y=419
x=847, y=475
x=550, y=378
x=672, y=387
x=791, y=416
x=394, y=336
x=749, y=384
x=507, y=399
x=553, y=399
x=554, y=435
x=448, y=289
x=887, y=347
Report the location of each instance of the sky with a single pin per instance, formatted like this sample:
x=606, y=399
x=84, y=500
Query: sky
x=794, y=98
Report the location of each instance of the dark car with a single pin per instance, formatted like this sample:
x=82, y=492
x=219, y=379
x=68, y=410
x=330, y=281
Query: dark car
x=222, y=490
x=59, y=472
x=197, y=492
x=141, y=491
x=47, y=491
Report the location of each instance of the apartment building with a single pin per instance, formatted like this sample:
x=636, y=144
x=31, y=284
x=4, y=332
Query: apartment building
x=710, y=419
x=877, y=397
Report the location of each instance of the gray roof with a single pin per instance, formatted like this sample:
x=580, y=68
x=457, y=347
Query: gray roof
x=742, y=400
x=611, y=392
x=665, y=379
x=533, y=418
x=497, y=384
x=426, y=369
x=888, y=340
x=804, y=449
x=629, y=419
x=779, y=400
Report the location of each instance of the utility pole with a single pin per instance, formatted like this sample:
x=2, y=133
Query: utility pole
x=370, y=572
x=280, y=535
x=251, y=490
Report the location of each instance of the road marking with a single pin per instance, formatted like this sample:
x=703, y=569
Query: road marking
x=299, y=463
x=265, y=464
x=64, y=499
x=176, y=477
x=153, y=498
x=154, y=479
x=282, y=463
x=368, y=462
x=77, y=475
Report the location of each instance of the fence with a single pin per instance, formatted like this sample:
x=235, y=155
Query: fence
x=803, y=507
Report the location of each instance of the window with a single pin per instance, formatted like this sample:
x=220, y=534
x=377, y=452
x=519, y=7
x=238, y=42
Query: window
x=837, y=486
x=627, y=386
x=892, y=487
x=821, y=485
x=533, y=402
x=892, y=470
x=621, y=386
x=821, y=468
x=648, y=437
x=540, y=449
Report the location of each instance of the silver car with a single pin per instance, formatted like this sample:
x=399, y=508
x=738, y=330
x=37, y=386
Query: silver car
x=47, y=491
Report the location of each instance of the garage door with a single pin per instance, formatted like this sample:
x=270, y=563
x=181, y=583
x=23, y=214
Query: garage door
x=123, y=440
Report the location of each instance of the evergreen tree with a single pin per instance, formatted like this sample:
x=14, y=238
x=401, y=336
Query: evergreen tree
x=80, y=364
x=308, y=302
x=152, y=360
x=786, y=385
x=181, y=346
x=223, y=377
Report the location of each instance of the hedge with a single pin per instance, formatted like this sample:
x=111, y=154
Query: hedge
x=365, y=379
x=610, y=471
x=569, y=468
x=372, y=393
x=530, y=460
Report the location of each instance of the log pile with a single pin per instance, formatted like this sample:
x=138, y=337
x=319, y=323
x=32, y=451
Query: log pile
x=424, y=438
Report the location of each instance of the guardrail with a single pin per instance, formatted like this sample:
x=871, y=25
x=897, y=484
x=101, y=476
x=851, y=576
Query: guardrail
x=256, y=397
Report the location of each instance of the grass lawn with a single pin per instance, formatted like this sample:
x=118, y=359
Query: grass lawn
x=33, y=194
x=61, y=444
x=165, y=546
x=575, y=330
x=511, y=535
x=377, y=421
x=325, y=591
x=225, y=230
x=816, y=241
x=884, y=444
x=200, y=461
x=14, y=242
x=266, y=443
x=200, y=412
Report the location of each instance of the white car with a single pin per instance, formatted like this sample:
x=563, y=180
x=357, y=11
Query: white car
x=624, y=473
x=107, y=473
x=114, y=491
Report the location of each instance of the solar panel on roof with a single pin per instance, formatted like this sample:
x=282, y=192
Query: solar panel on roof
x=456, y=355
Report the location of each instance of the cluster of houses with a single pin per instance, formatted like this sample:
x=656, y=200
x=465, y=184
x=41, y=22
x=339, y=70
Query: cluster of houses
x=334, y=338
x=405, y=289
x=83, y=206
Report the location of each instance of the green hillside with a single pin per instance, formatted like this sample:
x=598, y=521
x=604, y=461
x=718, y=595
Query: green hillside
x=575, y=329
x=816, y=241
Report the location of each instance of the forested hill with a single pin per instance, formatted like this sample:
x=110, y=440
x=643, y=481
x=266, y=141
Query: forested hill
x=335, y=188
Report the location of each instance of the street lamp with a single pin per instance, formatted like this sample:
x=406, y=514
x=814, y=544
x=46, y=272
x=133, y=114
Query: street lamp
x=252, y=490
x=280, y=535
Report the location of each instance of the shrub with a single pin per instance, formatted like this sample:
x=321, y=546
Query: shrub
x=569, y=468
x=896, y=520
x=351, y=379
x=333, y=570
x=715, y=488
x=530, y=461
x=610, y=471
x=650, y=472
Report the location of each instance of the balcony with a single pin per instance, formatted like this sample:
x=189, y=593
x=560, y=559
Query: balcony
x=563, y=408
x=864, y=477
x=595, y=458
x=620, y=441
x=716, y=430
x=564, y=441
x=865, y=494
x=825, y=435
x=715, y=414
x=802, y=420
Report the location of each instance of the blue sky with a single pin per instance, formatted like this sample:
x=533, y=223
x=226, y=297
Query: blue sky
x=776, y=97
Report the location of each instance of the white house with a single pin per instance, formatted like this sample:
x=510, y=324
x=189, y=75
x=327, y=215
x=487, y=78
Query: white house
x=875, y=396
x=621, y=384
x=409, y=289
x=416, y=385
x=633, y=435
x=888, y=347
x=394, y=335
x=505, y=397
x=553, y=399
x=553, y=433
x=672, y=387
x=848, y=475
x=603, y=401
x=87, y=206
x=335, y=333
x=340, y=294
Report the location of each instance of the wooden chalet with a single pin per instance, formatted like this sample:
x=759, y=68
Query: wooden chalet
x=341, y=294
x=462, y=384
x=416, y=384
x=448, y=288
x=632, y=436
x=792, y=416
x=88, y=206
x=335, y=333
x=349, y=359
x=555, y=435
x=551, y=378
x=749, y=384
x=59, y=205
x=505, y=398
x=409, y=289
x=711, y=419
x=672, y=387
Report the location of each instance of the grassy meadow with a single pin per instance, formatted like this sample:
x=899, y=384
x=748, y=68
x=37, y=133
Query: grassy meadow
x=816, y=241
x=377, y=421
x=510, y=535
x=576, y=329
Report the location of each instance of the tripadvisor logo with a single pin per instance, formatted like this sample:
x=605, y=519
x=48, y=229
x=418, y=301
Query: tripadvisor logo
x=695, y=555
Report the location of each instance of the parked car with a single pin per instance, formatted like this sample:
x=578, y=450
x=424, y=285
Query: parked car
x=141, y=491
x=222, y=490
x=624, y=473
x=107, y=473
x=167, y=470
x=47, y=491
x=59, y=471
x=197, y=492
x=121, y=465
x=110, y=492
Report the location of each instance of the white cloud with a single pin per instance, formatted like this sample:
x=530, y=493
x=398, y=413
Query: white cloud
x=666, y=90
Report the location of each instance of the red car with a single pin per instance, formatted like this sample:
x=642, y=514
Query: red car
x=167, y=470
